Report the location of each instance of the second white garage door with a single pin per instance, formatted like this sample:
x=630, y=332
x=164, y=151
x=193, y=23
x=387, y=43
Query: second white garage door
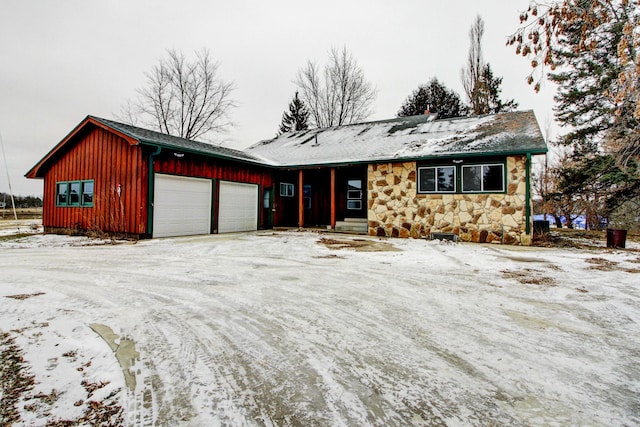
x=181, y=206
x=238, y=207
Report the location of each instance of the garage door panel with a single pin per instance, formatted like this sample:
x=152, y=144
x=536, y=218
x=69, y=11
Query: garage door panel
x=237, y=207
x=182, y=206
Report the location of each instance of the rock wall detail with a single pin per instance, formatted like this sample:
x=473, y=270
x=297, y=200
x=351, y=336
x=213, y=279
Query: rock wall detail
x=395, y=209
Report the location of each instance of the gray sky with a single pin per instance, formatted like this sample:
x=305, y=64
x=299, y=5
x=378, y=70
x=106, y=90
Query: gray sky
x=63, y=60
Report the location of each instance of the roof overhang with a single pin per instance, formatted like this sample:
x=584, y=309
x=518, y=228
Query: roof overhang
x=37, y=171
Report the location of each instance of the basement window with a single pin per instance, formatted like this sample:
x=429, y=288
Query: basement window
x=74, y=193
x=286, y=189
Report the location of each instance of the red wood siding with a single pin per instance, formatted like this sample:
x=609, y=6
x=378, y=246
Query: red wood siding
x=108, y=160
x=206, y=167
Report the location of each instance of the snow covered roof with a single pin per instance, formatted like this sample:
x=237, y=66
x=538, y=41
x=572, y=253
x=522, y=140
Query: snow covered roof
x=405, y=138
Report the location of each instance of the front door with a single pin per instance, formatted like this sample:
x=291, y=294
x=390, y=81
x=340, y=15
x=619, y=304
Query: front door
x=355, y=198
x=267, y=206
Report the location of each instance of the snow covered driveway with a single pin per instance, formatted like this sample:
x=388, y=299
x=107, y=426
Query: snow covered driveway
x=281, y=329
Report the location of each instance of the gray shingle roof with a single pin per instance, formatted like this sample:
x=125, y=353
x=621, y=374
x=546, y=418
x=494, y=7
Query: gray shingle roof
x=406, y=138
x=146, y=136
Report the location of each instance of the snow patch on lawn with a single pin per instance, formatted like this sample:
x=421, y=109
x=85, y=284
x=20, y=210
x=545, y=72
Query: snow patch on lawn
x=276, y=328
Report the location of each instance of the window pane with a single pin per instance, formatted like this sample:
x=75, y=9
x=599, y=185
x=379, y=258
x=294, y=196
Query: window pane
x=446, y=178
x=61, y=193
x=354, y=184
x=427, y=180
x=354, y=194
x=471, y=178
x=87, y=193
x=354, y=204
x=286, y=189
x=74, y=193
x=492, y=178
x=266, y=201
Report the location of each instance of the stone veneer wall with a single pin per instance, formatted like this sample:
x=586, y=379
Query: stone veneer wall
x=395, y=208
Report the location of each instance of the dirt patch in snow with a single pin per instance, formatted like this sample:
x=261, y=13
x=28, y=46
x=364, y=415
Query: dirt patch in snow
x=528, y=276
x=359, y=245
x=24, y=296
x=601, y=264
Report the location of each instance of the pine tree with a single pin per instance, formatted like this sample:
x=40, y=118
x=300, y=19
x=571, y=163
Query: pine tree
x=493, y=87
x=297, y=117
x=435, y=98
x=591, y=50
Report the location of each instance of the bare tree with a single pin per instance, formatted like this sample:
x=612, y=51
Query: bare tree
x=339, y=94
x=480, y=85
x=472, y=81
x=182, y=98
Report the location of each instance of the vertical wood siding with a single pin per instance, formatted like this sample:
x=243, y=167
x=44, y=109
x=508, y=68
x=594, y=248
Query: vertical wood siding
x=205, y=167
x=108, y=160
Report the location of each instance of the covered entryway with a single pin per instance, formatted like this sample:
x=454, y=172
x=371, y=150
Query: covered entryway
x=237, y=207
x=181, y=206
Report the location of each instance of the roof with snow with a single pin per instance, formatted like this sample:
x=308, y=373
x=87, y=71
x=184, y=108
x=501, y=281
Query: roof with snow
x=406, y=138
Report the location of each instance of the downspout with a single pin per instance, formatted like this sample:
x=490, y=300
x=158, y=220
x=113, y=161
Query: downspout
x=528, y=196
x=151, y=187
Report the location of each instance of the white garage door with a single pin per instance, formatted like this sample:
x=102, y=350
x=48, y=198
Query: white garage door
x=238, y=207
x=181, y=206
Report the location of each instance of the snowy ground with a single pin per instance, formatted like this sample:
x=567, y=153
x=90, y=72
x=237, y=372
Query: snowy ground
x=286, y=329
x=21, y=226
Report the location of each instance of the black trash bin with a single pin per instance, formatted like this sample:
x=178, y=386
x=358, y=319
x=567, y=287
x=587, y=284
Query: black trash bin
x=540, y=227
x=616, y=238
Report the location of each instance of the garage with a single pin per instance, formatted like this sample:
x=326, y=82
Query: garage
x=238, y=207
x=181, y=206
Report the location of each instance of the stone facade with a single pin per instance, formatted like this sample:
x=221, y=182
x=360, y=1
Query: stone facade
x=395, y=208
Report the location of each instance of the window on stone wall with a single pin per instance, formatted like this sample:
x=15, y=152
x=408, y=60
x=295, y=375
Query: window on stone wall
x=487, y=178
x=437, y=179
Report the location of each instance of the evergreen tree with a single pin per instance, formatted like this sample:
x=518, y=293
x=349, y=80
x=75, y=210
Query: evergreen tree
x=297, y=117
x=493, y=85
x=435, y=98
x=591, y=49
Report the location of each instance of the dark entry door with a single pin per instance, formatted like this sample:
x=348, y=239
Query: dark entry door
x=267, y=207
x=355, y=198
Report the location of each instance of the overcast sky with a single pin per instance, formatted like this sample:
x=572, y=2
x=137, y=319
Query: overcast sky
x=63, y=60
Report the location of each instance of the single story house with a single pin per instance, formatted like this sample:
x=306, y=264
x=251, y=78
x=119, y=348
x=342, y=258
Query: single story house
x=404, y=177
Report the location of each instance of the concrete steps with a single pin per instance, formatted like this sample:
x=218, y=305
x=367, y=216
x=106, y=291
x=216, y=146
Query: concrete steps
x=352, y=225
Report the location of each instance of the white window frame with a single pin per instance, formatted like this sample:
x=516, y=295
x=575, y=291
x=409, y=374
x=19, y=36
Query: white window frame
x=287, y=189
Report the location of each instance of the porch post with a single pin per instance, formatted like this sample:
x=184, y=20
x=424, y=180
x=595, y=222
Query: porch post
x=300, y=199
x=333, y=198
